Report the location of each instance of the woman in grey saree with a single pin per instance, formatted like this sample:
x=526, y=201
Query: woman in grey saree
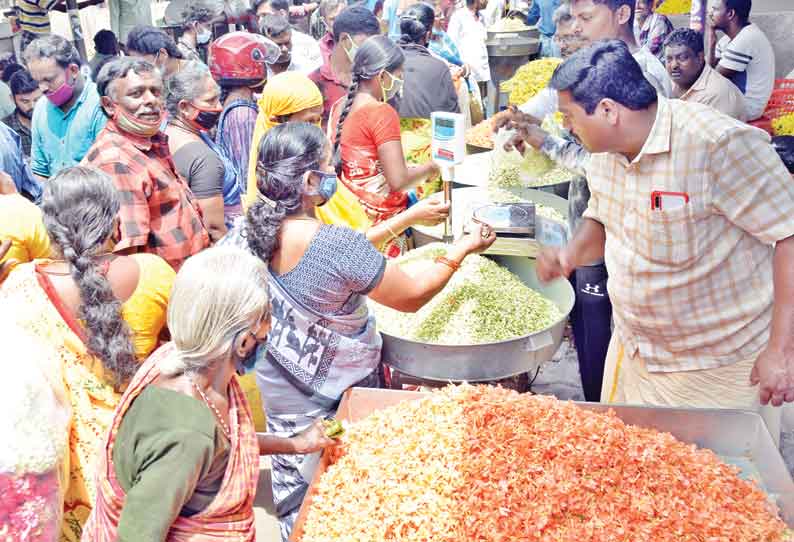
x=323, y=339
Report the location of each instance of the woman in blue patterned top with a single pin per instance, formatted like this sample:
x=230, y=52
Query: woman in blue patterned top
x=323, y=340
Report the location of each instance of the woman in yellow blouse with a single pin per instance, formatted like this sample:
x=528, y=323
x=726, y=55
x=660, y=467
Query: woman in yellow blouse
x=22, y=229
x=101, y=312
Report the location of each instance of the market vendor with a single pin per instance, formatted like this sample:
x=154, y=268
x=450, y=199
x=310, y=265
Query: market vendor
x=323, y=339
x=591, y=317
x=586, y=21
x=365, y=131
x=614, y=19
x=692, y=211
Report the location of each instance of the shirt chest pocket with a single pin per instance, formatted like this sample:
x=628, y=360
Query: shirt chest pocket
x=671, y=237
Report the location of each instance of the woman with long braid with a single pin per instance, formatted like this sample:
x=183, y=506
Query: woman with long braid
x=322, y=338
x=102, y=313
x=365, y=131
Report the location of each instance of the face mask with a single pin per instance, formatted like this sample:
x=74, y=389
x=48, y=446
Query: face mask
x=351, y=53
x=393, y=90
x=203, y=37
x=133, y=125
x=62, y=95
x=327, y=186
x=204, y=119
x=243, y=365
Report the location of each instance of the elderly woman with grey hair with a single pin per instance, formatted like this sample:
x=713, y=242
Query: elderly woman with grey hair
x=181, y=460
x=193, y=102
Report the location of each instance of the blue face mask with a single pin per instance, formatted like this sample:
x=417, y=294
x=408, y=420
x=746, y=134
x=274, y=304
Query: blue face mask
x=327, y=186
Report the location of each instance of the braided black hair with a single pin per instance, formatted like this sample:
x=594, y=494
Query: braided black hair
x=351, y=95
x=416, y=22
x=376, y=54
x=286, y=153
x=80, y=206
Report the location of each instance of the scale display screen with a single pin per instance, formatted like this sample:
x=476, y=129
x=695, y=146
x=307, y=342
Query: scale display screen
x=444, y=128
x=448, y=145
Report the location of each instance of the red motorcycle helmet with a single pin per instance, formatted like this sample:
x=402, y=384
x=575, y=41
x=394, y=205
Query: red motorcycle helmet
x=241, y=58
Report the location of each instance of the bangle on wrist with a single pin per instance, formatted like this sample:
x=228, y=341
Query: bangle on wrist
x=391, y=231
x=449, y=263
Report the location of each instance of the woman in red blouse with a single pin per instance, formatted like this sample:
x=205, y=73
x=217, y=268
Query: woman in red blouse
x=365, y=131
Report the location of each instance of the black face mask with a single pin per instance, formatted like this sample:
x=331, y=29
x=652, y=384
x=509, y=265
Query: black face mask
x=205, y=119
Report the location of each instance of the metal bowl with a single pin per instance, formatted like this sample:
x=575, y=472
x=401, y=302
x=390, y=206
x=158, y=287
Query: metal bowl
x=489, y=361
x=519, y=50
x=528, y=32
x=475, y=169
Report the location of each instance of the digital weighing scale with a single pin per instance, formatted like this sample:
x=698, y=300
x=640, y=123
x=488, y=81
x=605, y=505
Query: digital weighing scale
x=448, y=148
x=521, y=242
x=506, y=219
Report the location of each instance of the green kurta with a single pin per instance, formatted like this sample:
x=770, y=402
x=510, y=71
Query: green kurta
x=170, y=458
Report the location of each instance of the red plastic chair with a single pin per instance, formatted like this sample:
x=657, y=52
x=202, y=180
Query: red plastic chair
x=781, y=102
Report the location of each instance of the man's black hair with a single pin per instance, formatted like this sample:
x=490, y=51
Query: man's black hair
x=741, y=8
x=355, y=20
x=273, y=26
x=10, y=70
x=277, y=5
x=686, y=37
x=22, y=83
x=148, y=40
x=106, y=43
x=606, y=69
x=613, y=6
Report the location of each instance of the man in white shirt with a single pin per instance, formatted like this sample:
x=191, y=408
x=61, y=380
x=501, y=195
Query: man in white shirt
x=614, y=19
x=299, y=52
x=744, y=54
x=467, y=30
x=593, y=20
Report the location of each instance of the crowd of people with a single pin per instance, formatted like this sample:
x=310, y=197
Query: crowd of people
x=180, y=211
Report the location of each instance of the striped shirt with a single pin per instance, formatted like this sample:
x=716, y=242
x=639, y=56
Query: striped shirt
x=691, y=285
x=33, y=15
x=159, y=213
x=752, y=58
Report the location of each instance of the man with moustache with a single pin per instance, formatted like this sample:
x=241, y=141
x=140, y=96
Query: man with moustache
x=159, y=213
x=694, y=80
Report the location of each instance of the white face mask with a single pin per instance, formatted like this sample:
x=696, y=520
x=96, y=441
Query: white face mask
x=203, y=36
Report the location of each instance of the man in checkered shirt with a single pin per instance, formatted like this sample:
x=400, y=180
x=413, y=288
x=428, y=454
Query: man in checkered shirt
x=159, y=213
x=693, y=212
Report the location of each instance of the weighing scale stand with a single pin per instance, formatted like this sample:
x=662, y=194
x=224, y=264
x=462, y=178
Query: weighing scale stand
x=447, y=175
x=448, y=148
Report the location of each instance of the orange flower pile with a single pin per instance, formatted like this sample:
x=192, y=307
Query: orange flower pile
x=487, y=464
